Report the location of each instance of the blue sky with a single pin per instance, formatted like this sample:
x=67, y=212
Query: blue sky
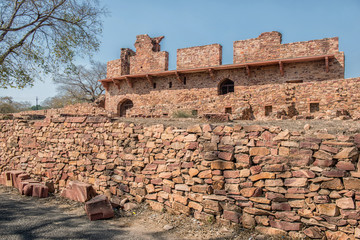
x=186, y=23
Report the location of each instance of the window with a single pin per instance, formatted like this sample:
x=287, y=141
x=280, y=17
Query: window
x=184, y=80
x=314, y=107
x=226, y=86
x=170, y=84
x=268, y=110
x=154, y=85
x=228, y=110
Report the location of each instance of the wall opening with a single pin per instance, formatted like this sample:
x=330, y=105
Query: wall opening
x=228, y=110
x=268, y=110
x=226, y=86
x=170, y=84
x=184, y=80
x=124, y=106
x=314, y=107
x=154, y=85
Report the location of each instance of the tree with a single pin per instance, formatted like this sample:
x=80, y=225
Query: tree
x=82, y=83
x=40, y=36
x=58, y=101
x=8, y=105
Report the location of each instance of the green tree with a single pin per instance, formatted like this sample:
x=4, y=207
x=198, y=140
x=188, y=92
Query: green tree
x=58, y=101
x=81, y=83
x=42, y=36
x=8, y=105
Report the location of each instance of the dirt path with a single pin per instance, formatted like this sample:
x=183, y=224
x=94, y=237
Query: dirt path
x=24, y=217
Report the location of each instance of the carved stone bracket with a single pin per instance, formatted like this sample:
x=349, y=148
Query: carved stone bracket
x=178, y=77
x=248, y=70
x=212, y=73
x=148, y=77
x=129, y=82
x=327, y=64
x=281, y=66
x=116, y=82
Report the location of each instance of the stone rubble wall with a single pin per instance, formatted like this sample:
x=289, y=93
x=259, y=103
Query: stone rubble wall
x=332, y=96
x=78, y=109
x=278, y=181
x=201, y=56
x=268, y=47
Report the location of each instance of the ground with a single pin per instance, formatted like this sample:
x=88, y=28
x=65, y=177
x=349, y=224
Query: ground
x=330, y=126
x=24, y=217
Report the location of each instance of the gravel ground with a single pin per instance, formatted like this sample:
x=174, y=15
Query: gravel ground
x=24, y=217
x=330, y=126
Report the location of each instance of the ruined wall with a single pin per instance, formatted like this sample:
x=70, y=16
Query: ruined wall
x=118, y=67
x=278, y=181
x=148, y=57
x=331, y=96
x=268, y=47
x=201, y=56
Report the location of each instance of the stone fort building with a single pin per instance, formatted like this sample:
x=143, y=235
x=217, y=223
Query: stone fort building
x=267, y=79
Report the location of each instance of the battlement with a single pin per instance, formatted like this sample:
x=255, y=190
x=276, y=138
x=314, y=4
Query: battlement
x=266, y=47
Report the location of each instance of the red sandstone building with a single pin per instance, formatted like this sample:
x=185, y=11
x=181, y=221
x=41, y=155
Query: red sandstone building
x=267, y=79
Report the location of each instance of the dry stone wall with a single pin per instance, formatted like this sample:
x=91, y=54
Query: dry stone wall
x=278, y=181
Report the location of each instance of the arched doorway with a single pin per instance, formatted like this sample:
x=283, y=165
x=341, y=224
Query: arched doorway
x=226, y=86
x=124, y=106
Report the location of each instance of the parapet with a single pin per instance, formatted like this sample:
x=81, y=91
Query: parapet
x=268, y=47
x=201, y=56
x=148, y=57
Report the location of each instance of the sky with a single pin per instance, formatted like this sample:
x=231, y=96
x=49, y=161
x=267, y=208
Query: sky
x=187, y=23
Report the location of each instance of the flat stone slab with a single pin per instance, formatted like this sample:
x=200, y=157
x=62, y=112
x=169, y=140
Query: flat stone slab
x=79, y=191
x=99, y=208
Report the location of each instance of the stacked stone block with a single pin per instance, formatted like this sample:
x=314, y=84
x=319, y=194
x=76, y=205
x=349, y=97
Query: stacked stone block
x=278, y=181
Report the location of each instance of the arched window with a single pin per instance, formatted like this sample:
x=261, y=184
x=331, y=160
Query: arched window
x=226, y=86
x=124, y=106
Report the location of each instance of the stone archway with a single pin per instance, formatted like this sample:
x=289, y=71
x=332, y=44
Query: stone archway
x=124, y=106
x=226, y=86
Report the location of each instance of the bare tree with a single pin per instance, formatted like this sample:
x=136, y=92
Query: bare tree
x=81, y=83
x=39, y=36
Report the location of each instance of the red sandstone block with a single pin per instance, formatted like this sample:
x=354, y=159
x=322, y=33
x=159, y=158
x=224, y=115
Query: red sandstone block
x=2, y=179
x=39, y=190
x=99, y=208
x=21, y=178
x=78, y=191
x=283, y=206
x=228, y=156
x=22, y=185
x=11, y=177
x=287, y=226
x=334, y=173
x=232, y=216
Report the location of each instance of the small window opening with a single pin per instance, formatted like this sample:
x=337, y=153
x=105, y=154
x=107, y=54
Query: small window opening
x=194, y=112
x=226, y=86
x=268, y=110
x=170, y=84
x=154, y=85
x=314, y=107
x=184, y=81
x=228, y=110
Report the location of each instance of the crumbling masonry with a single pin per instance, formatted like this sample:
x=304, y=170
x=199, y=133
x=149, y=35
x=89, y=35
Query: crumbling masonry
x=266, y=80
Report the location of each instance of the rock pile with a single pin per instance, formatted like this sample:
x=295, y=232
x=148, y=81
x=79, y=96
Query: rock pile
x=278, y=181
